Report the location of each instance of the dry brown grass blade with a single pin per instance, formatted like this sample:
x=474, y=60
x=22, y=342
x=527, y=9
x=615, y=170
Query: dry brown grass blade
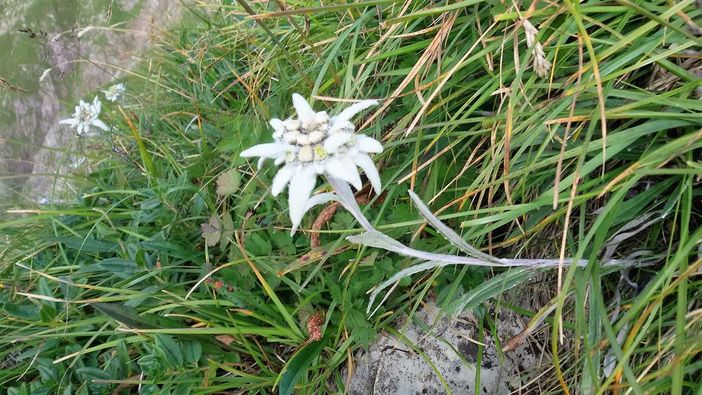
x=535, y=322
x=277, y=42
x=574, y=118
x=6, y=85
x=470, y=160
x=253, y=92
x=598, y=80
x=304, y=36
x=571, y=198
x=436, y=156
x=315, y=255
x=310, y=10
x=423, y=60
x=388, y=34
x=508, y=141
x=323, y=217
x=417, y=33
x=636, y=166
x=362, y=197
x=446, y=78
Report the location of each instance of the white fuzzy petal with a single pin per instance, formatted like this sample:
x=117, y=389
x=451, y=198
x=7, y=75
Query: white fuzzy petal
x=368, y=144
x=318, y=167
x=344, y=169
x=268, y=150
x=337, y=126
x=81, y=128
x=301, y=186
x=366, y=163
x=277, y=124
x=318, y=199
x=336, y=140
x=70, y=121
x=97, y=105
x=282, y=178
x=304, y=111
x=261, y=160
x=354, y=109
x=100, y=124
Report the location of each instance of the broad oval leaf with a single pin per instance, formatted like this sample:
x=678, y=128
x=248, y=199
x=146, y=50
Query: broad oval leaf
x=170, y=348
x=121, y=267
x=297, y=366
x=212, y=231
x=228, y=182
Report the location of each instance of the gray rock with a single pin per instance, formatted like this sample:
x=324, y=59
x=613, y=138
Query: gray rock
x=436, y=345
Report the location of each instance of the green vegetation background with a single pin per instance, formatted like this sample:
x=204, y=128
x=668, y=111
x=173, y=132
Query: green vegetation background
x=613, y=132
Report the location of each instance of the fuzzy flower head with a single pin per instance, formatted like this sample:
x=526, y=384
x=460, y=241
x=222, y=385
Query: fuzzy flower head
x=317, y=144
x=85, y=117
x=114, y=92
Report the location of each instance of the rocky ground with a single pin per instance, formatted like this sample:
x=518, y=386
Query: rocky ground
x=433, y=345
x=37, y=145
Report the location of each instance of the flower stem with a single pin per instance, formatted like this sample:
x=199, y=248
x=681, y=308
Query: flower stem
x=346, y=198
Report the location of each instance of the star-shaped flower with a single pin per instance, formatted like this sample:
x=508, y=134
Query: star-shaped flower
x=114, y=92
x=317, y=144
x=86, y=116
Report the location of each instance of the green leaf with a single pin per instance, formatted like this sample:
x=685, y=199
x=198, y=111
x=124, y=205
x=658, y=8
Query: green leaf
x=192, y=351
x=130, y=318
x=47, y=370
x=67, y=291
x=183, y=389
x=27, y=311
x=297, y=366
x=258, y=244
x=212, y=231
x=86, y=245
x=123, y=354
x=148, y=363
x=93, y=373
x=228, y=182
x=335, y=292
x=45, y=289
x=47, y=313
x=282, y=241
x=170, y=348
x=227, y=230
x=489, y=289
x=123, y=268
x=361, y=329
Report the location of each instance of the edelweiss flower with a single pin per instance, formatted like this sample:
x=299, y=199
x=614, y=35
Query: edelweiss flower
x=316, y=144
x=76, y=164
x=114, y=92
x=85, y=116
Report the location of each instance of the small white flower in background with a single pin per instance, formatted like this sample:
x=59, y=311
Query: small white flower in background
x=85, y=117
x=316, y=144
x=114, y=92
x=76, y=164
